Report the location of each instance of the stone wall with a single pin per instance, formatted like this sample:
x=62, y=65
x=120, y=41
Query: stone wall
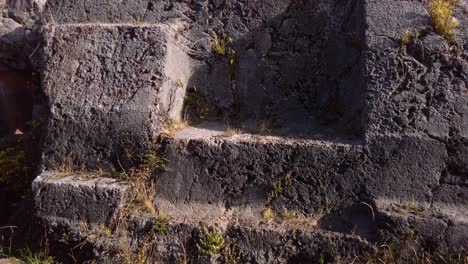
x=372, y=142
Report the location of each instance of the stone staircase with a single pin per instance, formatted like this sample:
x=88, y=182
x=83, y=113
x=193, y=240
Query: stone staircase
x=349, y=169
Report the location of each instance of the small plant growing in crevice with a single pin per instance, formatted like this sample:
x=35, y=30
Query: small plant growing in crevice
x=143, y=185
x=153, y=161
x=408, y=36
x=144, y=195
x=264, y=126
x=179, y=84
x=441, y=13
x=296, y=220
x=268, y=214
x=160, y=224
x=267, y=127
x=210, y=242
x=172, y=127
x=18, y=163
x=15, y=168
x=143, y=255
x=103, y=231
x=29, y=257
x=414, y=208
x=220, y=45
x=140, y=19
x=279, y=187
x=25, y=255
x=230, y=133
x=408, y=248
x=197, y=106
x=276, y=192
x=232, y=255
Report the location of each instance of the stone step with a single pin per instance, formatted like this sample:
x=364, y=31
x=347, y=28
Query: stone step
x=109, y=86
x=96, y=213
x=208, y=165
x=69, y=198
x=253, y=239
x=112, y=78
x=115, y=11
x=444, y=226
x=246, y=234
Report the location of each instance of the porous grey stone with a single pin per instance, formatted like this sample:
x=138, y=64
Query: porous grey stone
x=262, y=242
x=280, y=41
x=441, y=229
x=406, y=167
x=68, y=200
x=104, y=85
x=416, y=113
x=243, y=170
x=418, y=88
x=314, y=66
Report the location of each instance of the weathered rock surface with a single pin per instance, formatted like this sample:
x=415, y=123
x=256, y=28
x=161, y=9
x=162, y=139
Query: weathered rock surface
x=418, y=94
x=63, y=199
x=375, y=132
x=419, y=88
x=243, y=170
x=104, y=84
x=287, y=54
x=248, y=239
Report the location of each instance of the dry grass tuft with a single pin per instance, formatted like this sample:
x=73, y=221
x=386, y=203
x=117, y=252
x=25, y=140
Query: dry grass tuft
x=103, y=231
x=172, y=127
x=296, y=220
x=268, y=214
x=143, y=184
x=441, y=12
x=144, y=195
x=230, y=133
x=220, y=44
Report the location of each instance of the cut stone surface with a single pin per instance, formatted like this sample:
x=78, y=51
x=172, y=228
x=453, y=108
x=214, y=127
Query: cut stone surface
x=444, y=228
x=104, y=84
x=62, y=199
x=250, y=238
x=314, y=174
x=205, y=167
x=406, y=167
x=420, y=87
x=327, y=71
x=293, y=60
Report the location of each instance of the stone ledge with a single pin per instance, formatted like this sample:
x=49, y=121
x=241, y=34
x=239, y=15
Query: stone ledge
x=242, y=169
x=70, y=199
